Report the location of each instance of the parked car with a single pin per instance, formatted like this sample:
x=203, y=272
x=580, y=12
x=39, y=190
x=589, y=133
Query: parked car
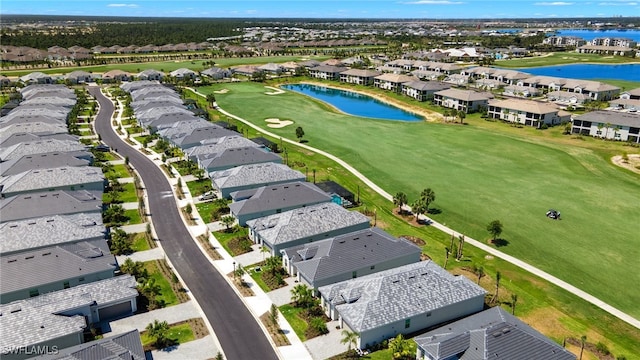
x=210, y=195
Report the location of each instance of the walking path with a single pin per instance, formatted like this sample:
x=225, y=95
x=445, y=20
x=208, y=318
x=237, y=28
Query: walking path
x=554, y=280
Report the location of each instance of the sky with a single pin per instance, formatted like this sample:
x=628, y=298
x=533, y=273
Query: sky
x=400, y=9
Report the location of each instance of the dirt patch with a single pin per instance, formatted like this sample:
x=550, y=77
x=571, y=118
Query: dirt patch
x=547, y=321
x=243, y=287
x=414, y=239
x=631, y=163
x=276, y=333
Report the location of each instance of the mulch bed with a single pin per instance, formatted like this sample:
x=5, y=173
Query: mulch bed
x=414, y=239
x=278, y=336
x=592, y=348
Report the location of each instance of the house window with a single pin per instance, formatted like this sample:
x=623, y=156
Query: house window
x=66, y=285
x=407, y=323
x=354, y=274
x=33, y=292
x=429, y=314
x=373, y=267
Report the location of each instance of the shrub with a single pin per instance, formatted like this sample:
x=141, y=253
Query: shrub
x=602, y=348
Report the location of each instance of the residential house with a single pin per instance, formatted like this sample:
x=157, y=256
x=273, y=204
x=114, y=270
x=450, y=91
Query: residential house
x=304, y=225
x=200, y=136
x=217, y=146
x=217, y=73
x=326, y=72
x=168, y=131
x=568, y=98
x=37, y=127
x=49, y=203
x=115, y=76
x=61, y=178
x=42, y=147
x=595, y=90
x=622, y=126
x=358, y=76
x=36, y=77
x=488, y=335
x=20, y=137
x=401, y=300
x=339, y=194
x=34, y=272
x=32, y=234
x=246, y=70
x=423, y=90
x=183, y=74
x=392, y=82
x=79, y=77
x=457, y=79
x=466, y=101
x=253, y=176
x=629, y=100
x=150, y=74
x=271, y=68
x=564, y=41
x=58, y=319
x=521, y=91
x=122, y=346
x=527, y=112
x=41, y=161
x=58, y=90
x=230, y=158
x=348, y=256
x=275, y=199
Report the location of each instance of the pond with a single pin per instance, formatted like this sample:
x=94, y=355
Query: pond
x=629, y=72
x=354, y=103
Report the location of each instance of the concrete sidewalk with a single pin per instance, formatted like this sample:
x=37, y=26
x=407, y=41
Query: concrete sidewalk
x=201, y=349
x=147, y=255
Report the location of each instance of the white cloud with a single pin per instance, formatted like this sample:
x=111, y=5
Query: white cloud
x=554, y=3
x=123, y=5
x=618, y=3
x=434, y=2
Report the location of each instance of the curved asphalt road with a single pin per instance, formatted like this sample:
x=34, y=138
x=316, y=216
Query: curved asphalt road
x=237, y=330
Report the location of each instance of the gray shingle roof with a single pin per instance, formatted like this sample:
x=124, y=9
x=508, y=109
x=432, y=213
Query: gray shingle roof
x=34, y=320
x=49, y=203
x=40, y=147
x=305, y=222
x=611, y=117
x=378, y=299
x=127, y=346
x=255, y=174
x=37, y=180
x=40, y=161
x=34, y=128
x=282, y=196
x=427, y=85
x=16, y=138
x=350, y=252
x=193, y=137
x=490, y=334
x=170, y=130
x=228, y=142
x=466, y=95
x=31, y=269
x=238, y=156
x=50, y=230
x=35, y=89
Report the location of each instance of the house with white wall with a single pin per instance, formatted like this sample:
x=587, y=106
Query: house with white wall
x=614, y=125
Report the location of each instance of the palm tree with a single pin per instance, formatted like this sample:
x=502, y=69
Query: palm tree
x=608, y=126
x=583, y=340
x=400, y=199
x=301, y=295
x=498, y=277
x=264, y=250
x=227, y=221
x=462, y=115
x=446, y=258
x=480, y=273
x=514, y=300
x=350, y=338
x=427, y=196
x=299, y=133
x=159, y=331
x=459, y=254
x=418, y=207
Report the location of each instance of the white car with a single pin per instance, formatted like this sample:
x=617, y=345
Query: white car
x=210, y=195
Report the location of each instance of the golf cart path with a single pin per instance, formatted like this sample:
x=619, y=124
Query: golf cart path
x=532, y=269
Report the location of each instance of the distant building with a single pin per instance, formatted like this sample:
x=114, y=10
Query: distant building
x=527, y=112
x=609, y=125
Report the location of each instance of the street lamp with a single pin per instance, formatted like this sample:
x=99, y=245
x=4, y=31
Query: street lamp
x=234, y=269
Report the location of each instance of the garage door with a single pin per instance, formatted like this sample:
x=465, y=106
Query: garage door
x=114, y=311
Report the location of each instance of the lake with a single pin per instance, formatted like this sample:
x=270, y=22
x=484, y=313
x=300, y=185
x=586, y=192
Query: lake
x=592, y=34
x=629, y=72
x=354, y=103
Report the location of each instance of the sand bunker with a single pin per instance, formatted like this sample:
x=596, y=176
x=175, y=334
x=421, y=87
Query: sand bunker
x=275, y=91
x=277, y=123
x=223, y=91
x=632, y=163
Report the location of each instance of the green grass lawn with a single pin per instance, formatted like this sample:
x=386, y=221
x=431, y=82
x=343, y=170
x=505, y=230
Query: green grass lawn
x=139, y=241
x=560, y=58
x=180, y=334
x=199, y=187
x=480, y=175
x=134, y=217
x=166, y=292
x=223, y=238
x=257, y=277
x=298, y=324
x=121, y=171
